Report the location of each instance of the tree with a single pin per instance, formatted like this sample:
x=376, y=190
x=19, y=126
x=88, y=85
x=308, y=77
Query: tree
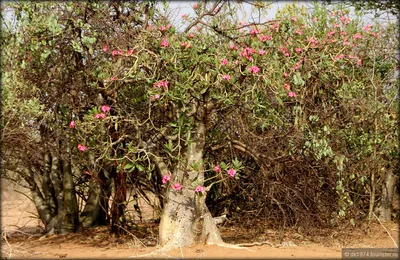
x=57, y=93
x=377, y=7
x=184, y=85
x=181, y=112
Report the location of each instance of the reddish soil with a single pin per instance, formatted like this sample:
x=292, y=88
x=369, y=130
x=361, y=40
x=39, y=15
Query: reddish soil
x=21, y=238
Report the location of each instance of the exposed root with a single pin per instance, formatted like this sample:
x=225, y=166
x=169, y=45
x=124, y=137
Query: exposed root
x=4, y=236
x=256, y=244
x=161, y=251
x=50, y=233
x=223, y=244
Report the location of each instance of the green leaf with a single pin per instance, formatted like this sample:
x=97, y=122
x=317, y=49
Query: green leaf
x=44, y=55
x=139, y=167
x=129, y=166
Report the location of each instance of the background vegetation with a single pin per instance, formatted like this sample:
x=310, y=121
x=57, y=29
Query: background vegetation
x=303, y=107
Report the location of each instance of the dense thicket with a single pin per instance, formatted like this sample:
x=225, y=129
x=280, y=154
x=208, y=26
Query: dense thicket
x=289, y=122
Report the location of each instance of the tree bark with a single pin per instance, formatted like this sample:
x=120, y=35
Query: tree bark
x=96, y=209
x=70, y=216
x=185, y=219
x=384, y=209
x=119, y=204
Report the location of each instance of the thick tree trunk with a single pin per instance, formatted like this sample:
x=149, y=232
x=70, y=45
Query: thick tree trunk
x=384, y=209
x=185, y=219
x=47, y=186
x=70, y=218
x=119, y=204
x=96, y=208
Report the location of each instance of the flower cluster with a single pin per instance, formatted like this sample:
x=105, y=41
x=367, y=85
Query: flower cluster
x=254, y=69
x=177, y=186
x=160, y=84
x=164, y=43
x=226, y=77
x=199, y=189
x=82, y=148
x=105, y=109
x=166, y=178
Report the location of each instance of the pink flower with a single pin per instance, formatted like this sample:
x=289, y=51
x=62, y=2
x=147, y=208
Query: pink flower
x=114, y=52
x=357, y=36
x=195, y=6
x=331, y=33
x=345, y=20
x=72, y=124
x=254, y=32
x=264, y=38
x=312, y=40
x=298, y=32
x=314, y=19
x=292, y=94
x=217, y=168
x=224, y=62
x=191, y=35
x=105, y=108
x=183, y=44
x=231, y=172
x=286, y=54
x=117, y=52
x=156, y=96
x=254, y=69
x=164, y=43
x=166, y=178
x=261, y=52
x=359, y=62
x=199, y=189
x=367, y=28
x=82, y=148
x=163, y=28
x=299, y=50
x=293, y=18
x=283, y=49
x=113, y=78
x=276, y=26
x=297, y=66
x=99, y=116
x=285, y=74
x=105, y=48
x=336, y=25
x=286, y=87
x=340, y=56
x=130, y=52
x=160, y=84
x=177, y=186
x=169, y=26
x=184, y=16
x=233, y=47
x=374, y=34
x=226, y=77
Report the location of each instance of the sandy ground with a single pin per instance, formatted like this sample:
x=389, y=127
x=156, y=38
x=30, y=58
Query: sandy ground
x=21, y=239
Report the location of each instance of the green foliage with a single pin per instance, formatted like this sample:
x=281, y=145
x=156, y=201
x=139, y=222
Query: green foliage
x=323, y=98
